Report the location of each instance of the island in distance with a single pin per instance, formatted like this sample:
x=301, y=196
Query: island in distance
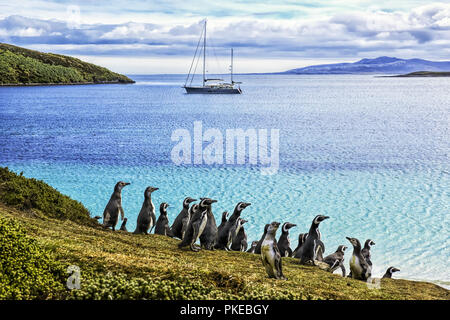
x=380, y=65
x=21, y=66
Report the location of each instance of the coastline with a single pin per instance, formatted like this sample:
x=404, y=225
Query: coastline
x=61, y=84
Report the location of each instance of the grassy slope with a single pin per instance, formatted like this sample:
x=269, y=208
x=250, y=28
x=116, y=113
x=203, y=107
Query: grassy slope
x=23, y=66
x=123, y=265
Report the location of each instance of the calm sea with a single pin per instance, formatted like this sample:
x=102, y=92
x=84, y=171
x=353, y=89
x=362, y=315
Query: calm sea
x=372, y=153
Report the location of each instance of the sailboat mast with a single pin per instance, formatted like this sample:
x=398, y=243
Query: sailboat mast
x=204, y=57
x=231, y=69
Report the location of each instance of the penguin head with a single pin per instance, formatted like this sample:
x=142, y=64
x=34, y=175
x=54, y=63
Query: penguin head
x=273, y=227
x=391, y=270
x=204, y=202
x=163, y=208
x=241, y=206
x=355, y=242
x=149, y=191
x=224, y=216
x=254, y=244
x=341, y=248
x=119, y=185
x=187, y=201
x=319, y=218
x=286, y=226
x=369, y=243
x=242, y=221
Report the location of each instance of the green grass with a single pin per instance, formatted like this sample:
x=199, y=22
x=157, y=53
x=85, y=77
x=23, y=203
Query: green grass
x=23, y=66
x=120, y=265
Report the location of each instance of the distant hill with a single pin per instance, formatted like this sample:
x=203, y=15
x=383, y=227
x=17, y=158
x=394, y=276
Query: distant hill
x=387, y=65
x=20, y=66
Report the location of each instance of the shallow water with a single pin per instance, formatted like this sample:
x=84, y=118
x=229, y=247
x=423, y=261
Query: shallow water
x=372, y=153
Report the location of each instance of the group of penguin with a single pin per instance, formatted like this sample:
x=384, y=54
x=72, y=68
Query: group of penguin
x=196, y=222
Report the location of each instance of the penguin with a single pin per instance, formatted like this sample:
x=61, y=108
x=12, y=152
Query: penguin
x=284, y=242
x=252, y=247
x=336, y=260
x=359, y=267
x=239, y=241
x=270, y=254
x=209, y=235
x=196, y=225
x=223, y=222
x=224, y=238
x=313, y=248
x=114, y=207
x=366, y=250
x=162, y=224
x=123, y=227
x=301, y=240
x=182, y=220
x=258, y=245
x=146, y=219
x=389, y=272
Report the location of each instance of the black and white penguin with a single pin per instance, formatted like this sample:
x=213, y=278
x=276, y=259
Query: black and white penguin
x=258, y=245
x=181, y=222
x=390, y=271
x=123, y=226
x=284, y=243
x=208, y=237
x=253, y=247
x=270, y=254
x=301, y=240
x=146, y=219
x=359, y=268
x=239, y=241
x=336, y=260
x=196, y=225
x=114, y=207
x=313, y=248
x=366, y=250
x=224, y=238
x=162, y=224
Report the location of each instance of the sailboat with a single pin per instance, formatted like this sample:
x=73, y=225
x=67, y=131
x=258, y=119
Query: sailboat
x=210, y=86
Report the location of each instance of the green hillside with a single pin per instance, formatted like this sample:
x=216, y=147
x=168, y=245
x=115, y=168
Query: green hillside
x=20, y=66
x=43, y=232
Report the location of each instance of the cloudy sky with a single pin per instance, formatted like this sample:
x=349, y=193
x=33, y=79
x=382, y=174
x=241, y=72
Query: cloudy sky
x=160, y=36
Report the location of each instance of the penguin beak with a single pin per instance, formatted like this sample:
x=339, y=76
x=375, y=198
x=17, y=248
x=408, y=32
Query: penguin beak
x=154, y=189
x=349, y=239
x=395, y=270
x=126, y=183
x=291, y=225
x=213, y=201
x=326, y=217
x=243, y=221
x=246, y=204
x=191, y=200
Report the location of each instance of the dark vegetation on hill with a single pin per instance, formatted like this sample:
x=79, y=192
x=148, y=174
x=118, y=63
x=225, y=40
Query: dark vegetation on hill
x=42, y=232
x=424, y=74
x=23, y=66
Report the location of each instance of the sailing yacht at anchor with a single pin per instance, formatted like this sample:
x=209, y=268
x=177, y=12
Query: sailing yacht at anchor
x=210, y=86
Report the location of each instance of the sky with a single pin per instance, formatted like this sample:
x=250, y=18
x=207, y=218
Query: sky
x=144, y=37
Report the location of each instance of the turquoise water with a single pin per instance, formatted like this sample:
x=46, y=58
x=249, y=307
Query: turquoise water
x=372, y=153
